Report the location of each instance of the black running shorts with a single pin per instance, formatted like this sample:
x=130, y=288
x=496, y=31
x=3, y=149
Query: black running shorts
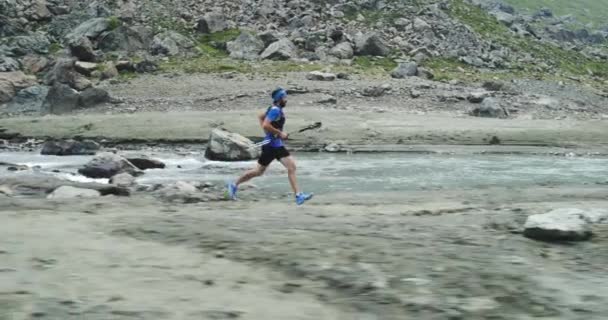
x=270, y=153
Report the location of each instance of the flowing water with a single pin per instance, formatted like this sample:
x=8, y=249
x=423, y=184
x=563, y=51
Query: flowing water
x=326, y=173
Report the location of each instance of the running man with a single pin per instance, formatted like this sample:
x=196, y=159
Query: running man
x=273, y=121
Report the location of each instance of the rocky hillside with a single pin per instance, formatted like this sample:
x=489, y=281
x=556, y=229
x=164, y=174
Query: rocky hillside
x=53, y=52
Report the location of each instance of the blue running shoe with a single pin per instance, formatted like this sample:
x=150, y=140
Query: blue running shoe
x=303, y=197
x=232, y=188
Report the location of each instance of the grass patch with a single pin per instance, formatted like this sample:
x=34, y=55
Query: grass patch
x=114, y=22
x=585, y=11
x=55, y=48
x=566, y=61
x=373, y=64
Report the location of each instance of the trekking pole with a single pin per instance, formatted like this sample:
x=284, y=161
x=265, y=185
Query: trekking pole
x=313, y=126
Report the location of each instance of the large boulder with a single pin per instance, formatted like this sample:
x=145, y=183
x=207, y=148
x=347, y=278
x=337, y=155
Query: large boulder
x=69, y=192
x=61, y=99
x=343, y=50
x=564, y=224
x=125, y=38
x=91, y=97
x=371, y=45
x=38, y=11
x=34, y=43
x=34, y=64
x=12, y=82
x=8, y=64
x=69, y=147
x=246, y=46
x=91, y=29
x=211, y=23
x=82, y=48
x=107, y=165
x=405, y=70
x=7, y=91
x=30, y=99
x=283, y=49
x=145, y=163
x=228, y=146
x=490, y=108
x=170, y=43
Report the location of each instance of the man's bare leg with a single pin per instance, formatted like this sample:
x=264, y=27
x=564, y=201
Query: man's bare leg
x=290, y=164
x=250, y=174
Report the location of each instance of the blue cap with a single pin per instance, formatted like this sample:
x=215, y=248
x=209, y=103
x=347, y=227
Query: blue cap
x=279, y=94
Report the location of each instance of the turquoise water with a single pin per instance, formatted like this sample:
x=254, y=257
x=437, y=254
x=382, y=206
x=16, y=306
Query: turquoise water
x=324, y=172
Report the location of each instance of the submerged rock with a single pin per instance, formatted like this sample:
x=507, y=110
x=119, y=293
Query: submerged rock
x=68, y=192
x=107, y=165
x=69, y=148
x=145, y=163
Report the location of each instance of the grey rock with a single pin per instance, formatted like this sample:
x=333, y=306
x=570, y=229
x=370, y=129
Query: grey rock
x=68, y=192
x=70, y=148
x=82, y=49
x=144, y=163
x=327, y=100
x=564, y=224
x=34, y=64
x=30, y=99
x=490, y=108
x=12, y=82
x=8, y=64
x=401, y=23
x=85, y=68
x=38, y=11
x=35, y=184
x=146, y=66
x=477, y=96
x=246, y=46
x=504, y=17
x=170, y=43
x=181, y=192
x=404, y=70
x=425, y=73
x=108, y=71
x=343, y=50
x=7, y=91
x=227, y=146
x=371, y=45
x=283, y=49
x=92, y=97
x=376, y=91
x=126, y=38
x=269, y=37
x=107, y=165
x=421, y=25
x=91, y=29
x=122, y=180
x=494, y=85
x=211, y=23
x=61, y=99
x=37, y=42
x=320, y=76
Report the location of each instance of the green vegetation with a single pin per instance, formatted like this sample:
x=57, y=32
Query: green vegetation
x=566, y=61
x=114, y=22
x=373, y=65
x=55, y=47
x=585, y=11
x=213, y=45
x=371, y=17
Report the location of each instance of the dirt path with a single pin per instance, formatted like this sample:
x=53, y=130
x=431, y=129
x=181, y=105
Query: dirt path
x=421, y=255
x=61, y=265
x=369, y=131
